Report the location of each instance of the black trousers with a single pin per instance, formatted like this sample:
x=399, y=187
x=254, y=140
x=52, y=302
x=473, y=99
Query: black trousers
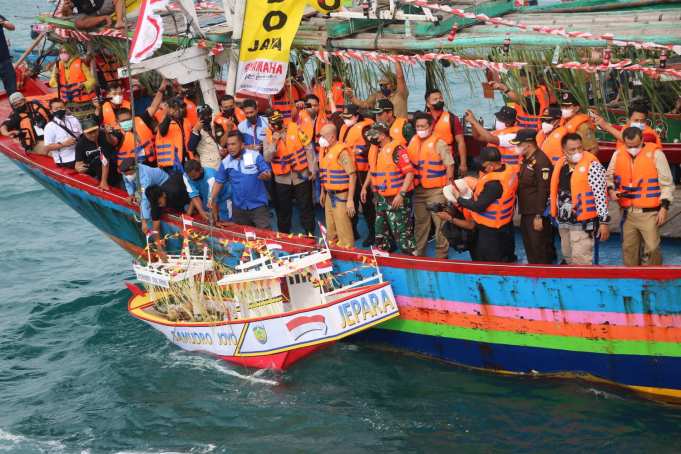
x=538, y=245
x=285, y=194
x=368, y=208
x=8, y=76
x=257, y=217
x=494, y=245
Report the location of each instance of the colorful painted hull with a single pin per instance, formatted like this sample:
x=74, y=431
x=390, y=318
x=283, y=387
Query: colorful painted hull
x=276, y=341
x=612, y=323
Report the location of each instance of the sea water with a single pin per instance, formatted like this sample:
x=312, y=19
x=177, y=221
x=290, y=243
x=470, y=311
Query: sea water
x=78, y=374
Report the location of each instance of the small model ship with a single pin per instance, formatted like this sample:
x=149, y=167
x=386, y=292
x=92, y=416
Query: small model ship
x=270, y=311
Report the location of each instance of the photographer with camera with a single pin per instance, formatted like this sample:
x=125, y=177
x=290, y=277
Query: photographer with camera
x=457, y=223
x=26, y=123
x=202, y=141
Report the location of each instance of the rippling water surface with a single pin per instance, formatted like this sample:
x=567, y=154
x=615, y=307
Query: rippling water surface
x=77, y=374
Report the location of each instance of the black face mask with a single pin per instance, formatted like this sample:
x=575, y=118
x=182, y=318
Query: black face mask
x=439, y=105
x=374, y=141
x=227, y=112
x=22, y=109
x=60, y=114
x=253, y=120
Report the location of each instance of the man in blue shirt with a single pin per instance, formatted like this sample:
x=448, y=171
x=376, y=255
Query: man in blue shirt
x=9, y=79
x=247, y=172
x=149, y=176
x=254, y=128
x=200, y=181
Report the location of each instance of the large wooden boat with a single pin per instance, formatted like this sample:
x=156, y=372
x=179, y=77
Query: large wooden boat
x=616, y=324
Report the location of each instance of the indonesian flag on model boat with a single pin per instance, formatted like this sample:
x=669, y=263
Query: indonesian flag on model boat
x=149, y=30
x=302, y=325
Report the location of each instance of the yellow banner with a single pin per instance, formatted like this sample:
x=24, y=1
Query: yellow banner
x=269, y=29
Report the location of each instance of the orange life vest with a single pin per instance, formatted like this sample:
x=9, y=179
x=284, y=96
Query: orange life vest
x=144, y=151
x=397, y=130
x=637, y=177
x=311, y=128
x=527, y=120
x=284, y=101
x=550, y=144
x=354, y=139
x=29, y=137
x=443, y=127
x=508, y=155
x=582, y=194
x=224, y=123
x=332, y=175
x=290, y=155
x=192, y=116
x=571, y=125
x=109, y=112
x=71, y=81
x=170, y=149
x=500, y=212
x=107, y=66
x=430, y=170
x=386, y=178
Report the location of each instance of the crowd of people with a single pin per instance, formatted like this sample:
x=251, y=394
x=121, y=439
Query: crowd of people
x=407, y=177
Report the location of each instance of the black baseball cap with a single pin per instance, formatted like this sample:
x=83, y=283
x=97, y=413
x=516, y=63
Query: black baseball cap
x=383, y=105
x=90, y=123
x=552, y=113
x=568, y=99
x=350, y=110
x=506, y=114
x=488, y=154
x=524, y=135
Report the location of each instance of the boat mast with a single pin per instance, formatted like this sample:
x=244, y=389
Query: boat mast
x=237, y=29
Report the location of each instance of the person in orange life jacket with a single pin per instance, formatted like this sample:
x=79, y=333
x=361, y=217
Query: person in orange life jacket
x=202, y=142
x=531, y=102
x=640, y=180
x=434, y=163
x=353, y=134
x=392, y=87
x=505, y=130
x=26, y=123
x=461, y=233
x=491, y=207
x=95, y=13
x=172, y=138
x=400, y=127
x=284, y=100
x=449, y=128
x=392, y=181
x=254, y=128
x=228, y=118
x=338, y=179
x=73, y=79
x=638, y=118
x=115, y=101
x=311, y=120
x=95, y=156
x=188, y=93
x=575, y=121
x=550, y=134
x=294, y=165
x=123, y=140
x=61, y=134
x=534, y=186
x=578, y=201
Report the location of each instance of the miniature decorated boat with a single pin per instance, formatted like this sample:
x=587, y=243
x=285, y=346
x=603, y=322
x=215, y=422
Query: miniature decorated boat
x=270, y=311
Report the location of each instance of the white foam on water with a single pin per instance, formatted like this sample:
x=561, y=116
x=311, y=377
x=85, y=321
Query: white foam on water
x=182, y=358
x=196, y=450
x=13, y=442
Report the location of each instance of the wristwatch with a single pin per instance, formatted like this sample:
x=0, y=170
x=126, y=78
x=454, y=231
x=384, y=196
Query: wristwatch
x=403, y=194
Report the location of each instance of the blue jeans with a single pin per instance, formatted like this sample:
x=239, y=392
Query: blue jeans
x=8, y=77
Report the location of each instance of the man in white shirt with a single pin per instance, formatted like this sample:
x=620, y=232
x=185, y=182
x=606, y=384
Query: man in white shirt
x=61, y=134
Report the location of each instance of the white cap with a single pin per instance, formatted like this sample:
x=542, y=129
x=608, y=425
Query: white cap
x=16, y=97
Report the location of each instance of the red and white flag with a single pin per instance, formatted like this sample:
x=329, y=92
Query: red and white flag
x=322, y=230
x=149, y=30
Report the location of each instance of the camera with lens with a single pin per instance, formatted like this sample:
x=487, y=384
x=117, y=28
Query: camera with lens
x=205, y=113
x=437, y=207
x=460, y=239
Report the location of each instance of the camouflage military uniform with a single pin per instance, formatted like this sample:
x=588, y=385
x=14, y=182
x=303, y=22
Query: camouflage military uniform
x=394, y=225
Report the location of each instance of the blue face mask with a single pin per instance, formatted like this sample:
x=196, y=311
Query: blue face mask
x=385, y=90
x=126, y=125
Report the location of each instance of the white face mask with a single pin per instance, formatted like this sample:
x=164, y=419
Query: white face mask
x=323, y=142
x=423, y=133
x=519, y=151
x=546, y=127
x=349, y=122
x=637, y=125
x=499, y=125
x=634, y=150
x=117, y=99
x=575, y=158
x=566, y=112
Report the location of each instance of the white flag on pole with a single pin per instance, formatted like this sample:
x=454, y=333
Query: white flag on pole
x=149, y=30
